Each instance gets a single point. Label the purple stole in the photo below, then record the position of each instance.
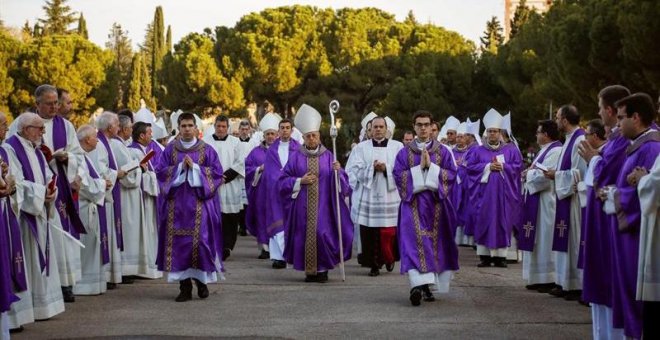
(136, 145)
(563, 212)
(64, 203)
(31, 220)
(530, 211)
(116, 193)
(15, 243)
(103, 220)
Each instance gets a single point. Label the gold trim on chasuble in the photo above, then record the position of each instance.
(311, 253)
(419, 232)
(171, 232)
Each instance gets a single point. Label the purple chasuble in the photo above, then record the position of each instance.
(11, 253)
(258, 199)
(626, 311)
(527, 236)
(44, 253)
(103, 220)
(190, 228)
(64, 203)
(492, 200)
(563, 212)
(310, 229)
(469, 184)
(116, 191)
(596, 237)
(458, 190)
(275, 211)
(426, 218)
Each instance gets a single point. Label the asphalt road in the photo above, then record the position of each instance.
(256, 301)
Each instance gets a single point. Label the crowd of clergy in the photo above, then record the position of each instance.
(83, 210)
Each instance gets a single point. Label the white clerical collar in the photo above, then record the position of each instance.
(188, 145)
(421, 145)
(27, 143)
(568, 135)
(315, 151)
(642, 134)
(546, 145)
(284, 143)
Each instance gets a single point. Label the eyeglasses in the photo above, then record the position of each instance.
(40, 128)
(53, 103)
(419, 125)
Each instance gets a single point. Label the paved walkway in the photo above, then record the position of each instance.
(259, 302)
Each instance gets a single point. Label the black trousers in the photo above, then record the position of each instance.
(372, 248)
(241, 217)
(229, 230)
(651, 328)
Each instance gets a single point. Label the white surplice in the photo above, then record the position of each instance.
(648, 270)
(102, 160)
(43, 298)
(378, 200)
(229, 153)
(148, 246)
(91, 199)
(538, 265)
(567, 274)
(131, 207)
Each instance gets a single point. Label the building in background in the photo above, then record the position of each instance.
(510, 6)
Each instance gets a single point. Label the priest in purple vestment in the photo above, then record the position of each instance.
(494, 168)
(276, 159)
(256, 186)
(425, 172)
(307, 186)
(190, 232)
(636, 114)
(596, 245)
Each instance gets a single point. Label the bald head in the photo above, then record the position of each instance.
(87, 137)
(30, 126)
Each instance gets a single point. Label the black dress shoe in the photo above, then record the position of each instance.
(485, 261)
(322, 277)
(202, 289)
(242, 231)
(558, 292)
(573, 295)
(389, 267)
(533, 286)
(416, 296)
(311, 278)
(111, 285)
(16, 330)
(428, 295)
(500, 262)
(545, 287)
(127, 280)
(67, 294)
(279, 264)
(374, 271)
(185, 291)
(264, 255)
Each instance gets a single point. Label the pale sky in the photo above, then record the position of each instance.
(467, 17)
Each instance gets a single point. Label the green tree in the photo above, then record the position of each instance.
(82, 27)
(68, 61)
(492, 38)
(168, 40)
(520, 17)
(133, 101)
(9, 51)
(114, 93)
(158, 48)
(59, 17)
